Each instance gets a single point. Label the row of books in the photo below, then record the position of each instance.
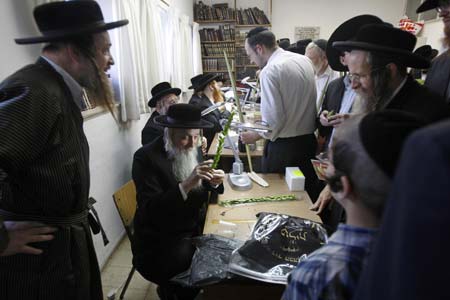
(216, 64)
(224, 33)
(241, 57)
(217, 49)
(251, 16)
(221, 12)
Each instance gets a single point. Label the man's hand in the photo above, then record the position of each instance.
(204, 145)
(22, 233)
(323, 201)
(202, 171)
(332, 120)
(218, 176)
(249, 137)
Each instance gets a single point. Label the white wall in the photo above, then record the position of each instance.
(288, 14)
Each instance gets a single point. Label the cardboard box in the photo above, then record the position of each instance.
(295, 179)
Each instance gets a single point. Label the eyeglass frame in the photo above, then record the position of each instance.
(357, 77)
(443, 4)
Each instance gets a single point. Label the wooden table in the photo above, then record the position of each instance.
(237, 222)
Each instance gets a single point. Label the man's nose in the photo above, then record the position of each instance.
(355, 84)
(111, 61)
(190, 142)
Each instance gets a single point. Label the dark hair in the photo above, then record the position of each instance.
(83, 43)
(261, 36)
(378, 61)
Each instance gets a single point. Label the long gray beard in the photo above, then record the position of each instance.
(183, 161)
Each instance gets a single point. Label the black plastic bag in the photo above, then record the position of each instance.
(278, 243)
(210, 261)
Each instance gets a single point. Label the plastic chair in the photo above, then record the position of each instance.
(125, 200)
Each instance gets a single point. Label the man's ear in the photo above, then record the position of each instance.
(343, 189)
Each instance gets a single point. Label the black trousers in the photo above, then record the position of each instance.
(293, 152)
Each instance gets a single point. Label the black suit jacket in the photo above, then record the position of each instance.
(44, 171)
(162, 217)
(411, 258)
(214, 117)
(151, 130)
(438, 76)
(332, 101)
(419, 100)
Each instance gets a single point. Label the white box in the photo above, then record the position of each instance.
(295, 179)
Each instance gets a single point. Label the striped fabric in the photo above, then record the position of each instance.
(45, 156)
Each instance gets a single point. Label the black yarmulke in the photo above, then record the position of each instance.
(383, 134)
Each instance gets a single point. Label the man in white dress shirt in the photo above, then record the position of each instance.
(288, 106)
(316, 52)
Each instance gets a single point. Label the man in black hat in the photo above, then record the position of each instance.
(206, 94)
(378, 62)
(44, 156)
(438, 76)
(163, 96)
(316, 52)
(288, 106)
(172, 185)
(360, 174)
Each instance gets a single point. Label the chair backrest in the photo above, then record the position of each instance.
(125, 200)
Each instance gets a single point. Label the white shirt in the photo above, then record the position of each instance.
(322, 82)
(288, 95)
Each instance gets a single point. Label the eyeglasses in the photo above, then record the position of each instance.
(357, 77)
(442, 5)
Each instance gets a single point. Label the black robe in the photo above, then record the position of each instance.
(438, 76)
(44, 171)
(214, 117)
(151, 130)
(163, 220)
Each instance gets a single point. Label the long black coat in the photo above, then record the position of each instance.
(44, 166)
(419, 100)
(151, 130)
(438, 76)
(214, 117)
(163, 219)
(332, 101)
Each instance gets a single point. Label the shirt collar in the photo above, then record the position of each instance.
(353, 236)
(75, 88)
(275, 54)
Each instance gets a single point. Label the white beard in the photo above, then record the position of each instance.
(183, 161)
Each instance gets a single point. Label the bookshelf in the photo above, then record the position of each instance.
(223, 26)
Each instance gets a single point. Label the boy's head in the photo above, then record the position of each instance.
(364, 156)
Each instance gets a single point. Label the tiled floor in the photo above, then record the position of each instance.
(116, 272)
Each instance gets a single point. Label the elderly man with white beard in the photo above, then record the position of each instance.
(172, 186)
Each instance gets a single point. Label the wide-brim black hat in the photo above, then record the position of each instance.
(183, 116)
(426, 51)
(388, 41)
(58, 21)
(383, 134)
(160, 90)
(344, 32)
(200, 81)
(427, 5)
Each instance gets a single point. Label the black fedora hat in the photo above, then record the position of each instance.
(427, 5)
(183, 116)
(387, 41)
(200, 81)
(160, 90)
(345, 32)
(59, 21)
(426, 51)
